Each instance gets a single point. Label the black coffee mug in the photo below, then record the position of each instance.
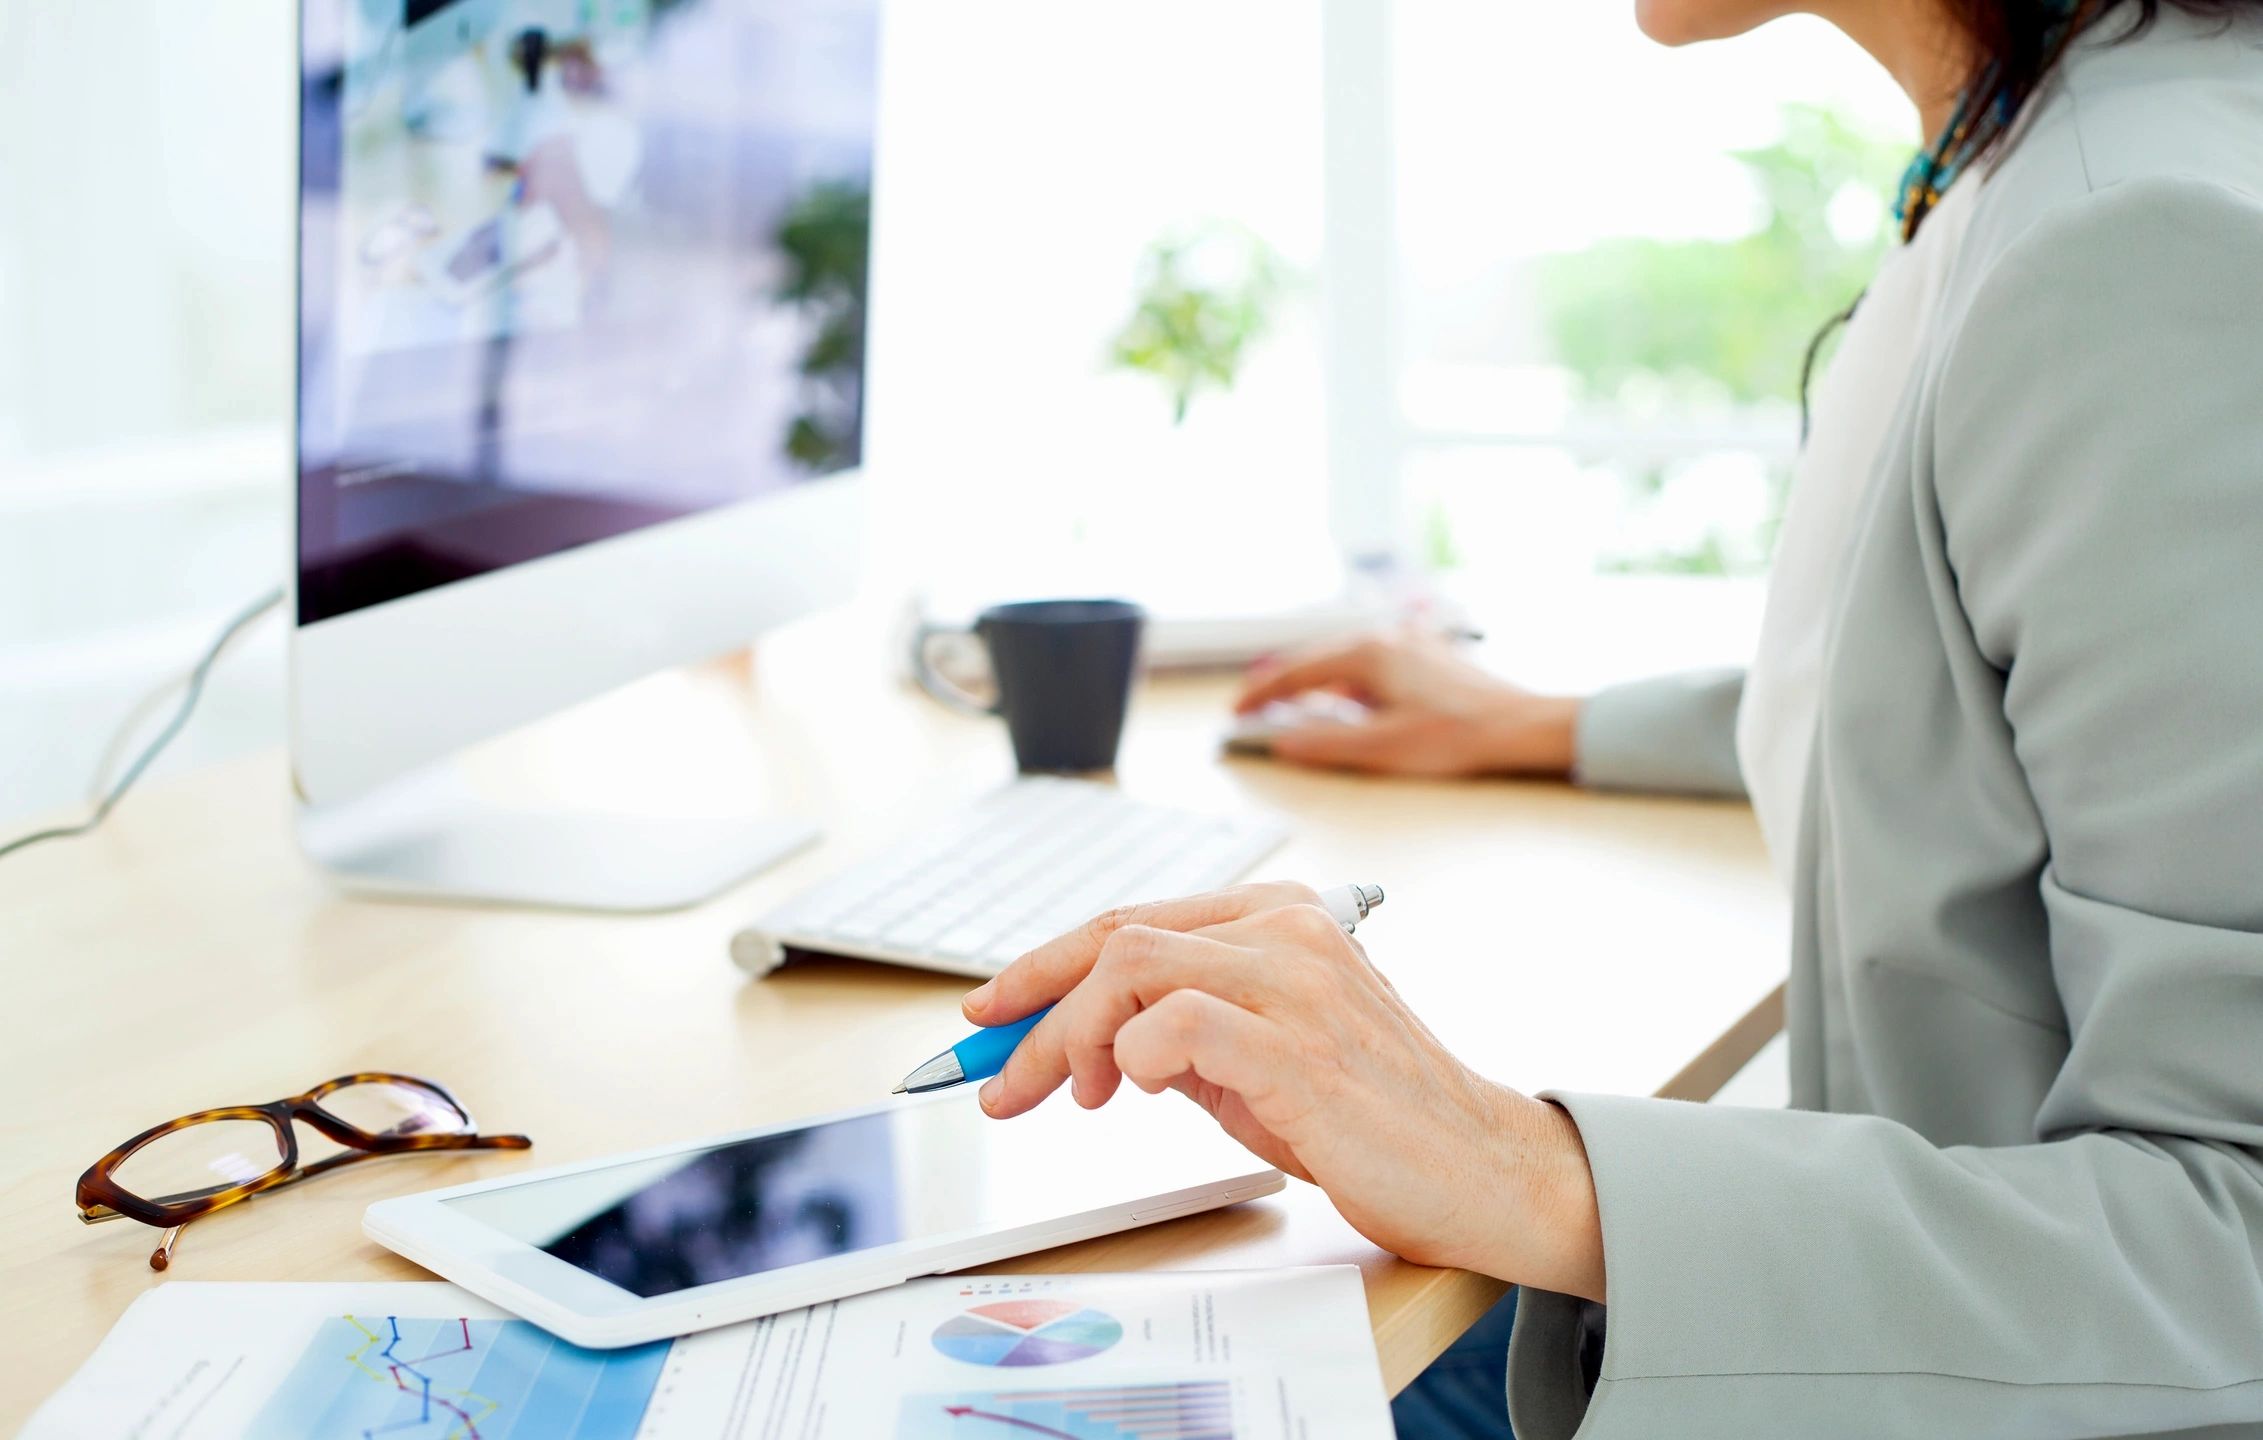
(1064, 670)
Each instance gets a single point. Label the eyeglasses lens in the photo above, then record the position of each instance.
(395, 1107)
(200, 1160)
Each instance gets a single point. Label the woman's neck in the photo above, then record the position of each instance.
(1918, 41)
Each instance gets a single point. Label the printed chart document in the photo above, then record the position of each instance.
(1227, 1355)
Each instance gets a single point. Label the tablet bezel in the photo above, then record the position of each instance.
(580, 1307)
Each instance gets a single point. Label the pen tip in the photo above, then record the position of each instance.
(899, 1088)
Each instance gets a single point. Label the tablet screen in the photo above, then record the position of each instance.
(924, 1170)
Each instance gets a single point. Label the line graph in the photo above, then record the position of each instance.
(1184, 1410)
(397, 1377)
(466, 1407)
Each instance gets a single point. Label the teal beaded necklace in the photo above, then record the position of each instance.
(1936, 167)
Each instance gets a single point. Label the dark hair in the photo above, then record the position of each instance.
(2021, 40)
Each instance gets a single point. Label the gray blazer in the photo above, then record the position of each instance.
(2022, 1190)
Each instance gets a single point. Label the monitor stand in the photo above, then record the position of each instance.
(429, 837)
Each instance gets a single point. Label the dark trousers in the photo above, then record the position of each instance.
(1464, 1394)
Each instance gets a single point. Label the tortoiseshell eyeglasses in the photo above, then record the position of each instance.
(185, 1169)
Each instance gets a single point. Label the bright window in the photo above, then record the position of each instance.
(1612, 258)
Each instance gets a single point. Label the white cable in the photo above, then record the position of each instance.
(194, 683)
(114, 753)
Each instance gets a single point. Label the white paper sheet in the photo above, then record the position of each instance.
(1230, 1355)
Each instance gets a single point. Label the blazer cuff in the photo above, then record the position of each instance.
(1569, 1369)
(1675, 733)
(1551, 1352)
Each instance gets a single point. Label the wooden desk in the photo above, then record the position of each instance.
(184, 957)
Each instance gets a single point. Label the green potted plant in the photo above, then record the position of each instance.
(1205, 294)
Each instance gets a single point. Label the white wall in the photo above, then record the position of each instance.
(145, 192)
(144, 220)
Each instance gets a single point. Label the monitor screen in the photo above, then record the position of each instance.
(569, 268)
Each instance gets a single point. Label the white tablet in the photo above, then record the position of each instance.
(667, 1241)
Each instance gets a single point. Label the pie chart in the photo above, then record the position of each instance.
(1027, 1332)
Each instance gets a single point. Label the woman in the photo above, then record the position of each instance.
(2006, 734)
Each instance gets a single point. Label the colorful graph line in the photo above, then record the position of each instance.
(401, 1371)
(451, 1378)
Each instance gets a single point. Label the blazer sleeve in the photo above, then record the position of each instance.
(2097, 460)
(1675, 733)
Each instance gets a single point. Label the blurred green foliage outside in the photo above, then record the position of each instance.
(825, 241)
(1728, 319)
(1205, 294)
(1695, 328)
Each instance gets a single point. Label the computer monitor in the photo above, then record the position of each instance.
(582, 321)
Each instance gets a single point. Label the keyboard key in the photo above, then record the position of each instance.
(1040, 857)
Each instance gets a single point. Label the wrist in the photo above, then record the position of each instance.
(1537, 1222)
(1534, 734)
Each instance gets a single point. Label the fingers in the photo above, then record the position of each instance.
(1259, 963)
(1237, 946)
(1053, 969)
(1138, 966)
(1302, 945)
(1344, 664)
(1035, 1070)
(1189, 1032)
(1383, 744)
(1234, 1118)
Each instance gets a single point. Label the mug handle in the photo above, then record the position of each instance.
(946, 693)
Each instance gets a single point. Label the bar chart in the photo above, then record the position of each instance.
(1181, 1410)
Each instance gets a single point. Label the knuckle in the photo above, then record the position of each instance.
(1094, 1035)
(1129, 950)
(1105, 924)
(1180, 1015)
(1308, 923)
(1085, 1032)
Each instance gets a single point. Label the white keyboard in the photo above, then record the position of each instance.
(1018, 867)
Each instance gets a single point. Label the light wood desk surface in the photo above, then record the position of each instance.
(184, 957)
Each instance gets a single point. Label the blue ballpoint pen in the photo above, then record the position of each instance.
(984, 1053)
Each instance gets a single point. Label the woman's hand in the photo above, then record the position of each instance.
(1257, 1005)
(1433, 712)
